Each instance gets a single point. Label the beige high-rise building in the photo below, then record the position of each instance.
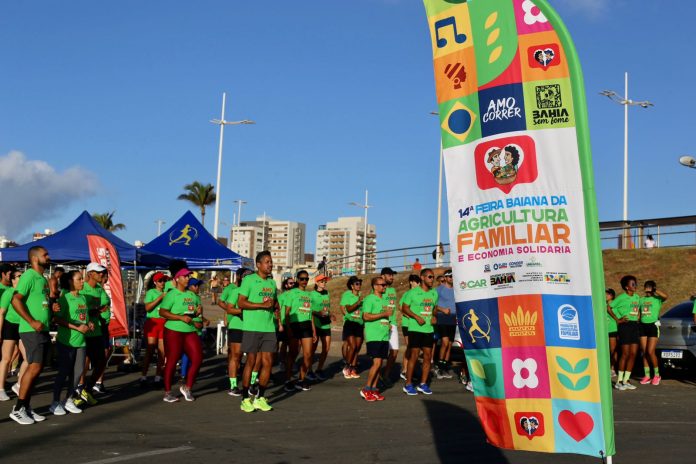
(342, 243)
(284, 239)
(247, 240)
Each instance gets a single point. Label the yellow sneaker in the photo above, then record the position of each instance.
(87, 396)
(261, 404)
(247, 405)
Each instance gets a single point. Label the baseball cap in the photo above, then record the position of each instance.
(182, 272)
(387, 270)
(95, 267)
(158, 276)
(448, 272)
(352, 280)
(194, 281)
(321, 277)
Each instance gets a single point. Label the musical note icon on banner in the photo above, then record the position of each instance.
(441, 41)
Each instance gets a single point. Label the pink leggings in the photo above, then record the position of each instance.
(176, 343)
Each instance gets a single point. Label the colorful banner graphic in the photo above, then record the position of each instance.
(523, 224)
(103, 252)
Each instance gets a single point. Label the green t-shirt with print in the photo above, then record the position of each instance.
(282, 299)
(199, 319)
(300, 303)
(227, 291)
(390, 295)
(73, 309)
(321, 306)
(231, 298)
(376, 331)
(6, 305)
(349, 299)
(405, 320)
(106, 315)
(628, 306)
(422, 303)
(151, 296)
(96, 299)
(179, 303)
(258, 290)
(650, 309)
(34, 288)
(611, 323)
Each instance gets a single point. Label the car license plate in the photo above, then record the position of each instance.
(672, 354)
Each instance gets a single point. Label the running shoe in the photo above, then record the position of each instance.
(645, 380)
(234, 391)
(15, 388)
(3, 396)
(311, 376)
(377, 395)
(354, 373)
(20, 416)
(35, 415)
(303, 386)
(170, 398)
(470, 386)
(656, 380)
(403, 375)
(346, 372)
(410, 390)
(78, 401)
(261, 404)
(425, 389)
(368, 395)
(619, 386)
(247, 405)
(628, 386)
(69, 406)
(87, 396)
(447, 373)
(57, 409)
(186, 391)
(438, 373)
(289, 386)
(99, 388)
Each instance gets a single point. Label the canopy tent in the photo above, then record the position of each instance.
(187, 239)
(70, 245)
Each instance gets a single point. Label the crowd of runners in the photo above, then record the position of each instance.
(266, 327)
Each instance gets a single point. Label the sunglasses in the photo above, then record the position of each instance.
(380, 285)
(303, 279)
(429, 276)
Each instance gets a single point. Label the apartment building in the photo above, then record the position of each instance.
(343, 242)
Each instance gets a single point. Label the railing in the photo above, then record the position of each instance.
(664, 232)
(399, 259)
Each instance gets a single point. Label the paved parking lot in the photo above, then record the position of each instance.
(331, 423)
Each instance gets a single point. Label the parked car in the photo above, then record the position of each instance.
(676, 347)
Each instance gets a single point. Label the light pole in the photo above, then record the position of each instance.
(222, 123)
(626, 102)
(239, 210)
(688, 161)
(159, 223)
(438, 257)
(366, 206)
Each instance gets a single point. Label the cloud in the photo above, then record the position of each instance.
(33, 191)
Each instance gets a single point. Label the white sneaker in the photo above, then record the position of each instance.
(186, 392)
(469, 386)
(628, 386)
(3, 396)
(20, 416)
(70, 406)
(619, 386)
(36, 416)
(57, 409)
(15, 388)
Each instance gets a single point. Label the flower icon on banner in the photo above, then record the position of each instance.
(525, 373)
(532, 13)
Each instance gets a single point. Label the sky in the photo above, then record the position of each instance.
(105, 106)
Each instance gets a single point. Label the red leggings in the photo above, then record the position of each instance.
(176, 343)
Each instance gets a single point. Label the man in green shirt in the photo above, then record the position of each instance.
(421, 306)
(31, 304)
(257, 300)
(376, 312)
(390, 294)
(228, 302)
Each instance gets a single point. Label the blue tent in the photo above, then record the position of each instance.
(70, 245)
(187, 239)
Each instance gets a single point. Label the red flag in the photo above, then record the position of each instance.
(103, 252)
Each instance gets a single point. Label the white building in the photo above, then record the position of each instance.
(284, 239)
(247, 240)
(342, 243)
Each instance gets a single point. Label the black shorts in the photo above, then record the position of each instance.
(404, 328)
(95, 349)
(377, 350)
(446, 331)
(629, 333)
(37, 346)
(614, 334)
(648, 329)
(234, 335)
(323, 332)
(10, 331)
(301, 329)
(420, 340)
(352, 329)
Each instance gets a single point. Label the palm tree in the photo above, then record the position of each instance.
(106, 220)
(200, 195)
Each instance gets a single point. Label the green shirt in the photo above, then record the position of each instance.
(390, 295)
(6, 304)
(34, 288)
(179, 303)
(650, 309)
(73, 309)
(628, 306)
(376, 331)
(611, 323)
(321, 306)
(282, 300)
(422, 303)
(96, 299)
(231, 298)
(348, 299)
(151, 296)
(199, 319)
(404, 318)
(300, 304)
(258, 290)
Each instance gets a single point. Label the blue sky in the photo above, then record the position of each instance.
(114, 99)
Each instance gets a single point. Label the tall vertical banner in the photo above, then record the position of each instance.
(103, 252)
(523, 221)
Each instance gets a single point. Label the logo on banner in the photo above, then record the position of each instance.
(521, 323)
(577, 425)
(478, 328)
(529, 424)
(472, 284)
(185, 236)
(557, 278)
(502, 109)
(525, 373)
(505, 162)
(544, 56)
(503, 279)
(457, 74)
(459, 121)
(568, 323)
(548, 96)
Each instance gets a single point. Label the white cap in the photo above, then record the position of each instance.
(96, 267)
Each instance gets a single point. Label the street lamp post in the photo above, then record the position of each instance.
(159, 226)
(438, 257)
(366, 206)
(626, 102)
(239, 210)
(222, 123)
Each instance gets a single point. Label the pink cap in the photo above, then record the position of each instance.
(182, 272)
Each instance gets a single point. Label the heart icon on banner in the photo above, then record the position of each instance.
(577, 425)
(544, 56)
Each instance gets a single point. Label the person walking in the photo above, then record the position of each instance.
(625, 310)
(351, 307)
(650, 306)
(321, 310)
(376, 311)
(228, 302)
(413, 282)
(302, 334)
(387, 275)
(10, 337)
(446, 326)
(154, 328)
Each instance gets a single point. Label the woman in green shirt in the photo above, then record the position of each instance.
(612, 332)
(302, 333)
(10, 337)
(625, 310)
(351, 307)
(650, 306)
(321, 310)
(73, 323)
(154, 327)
